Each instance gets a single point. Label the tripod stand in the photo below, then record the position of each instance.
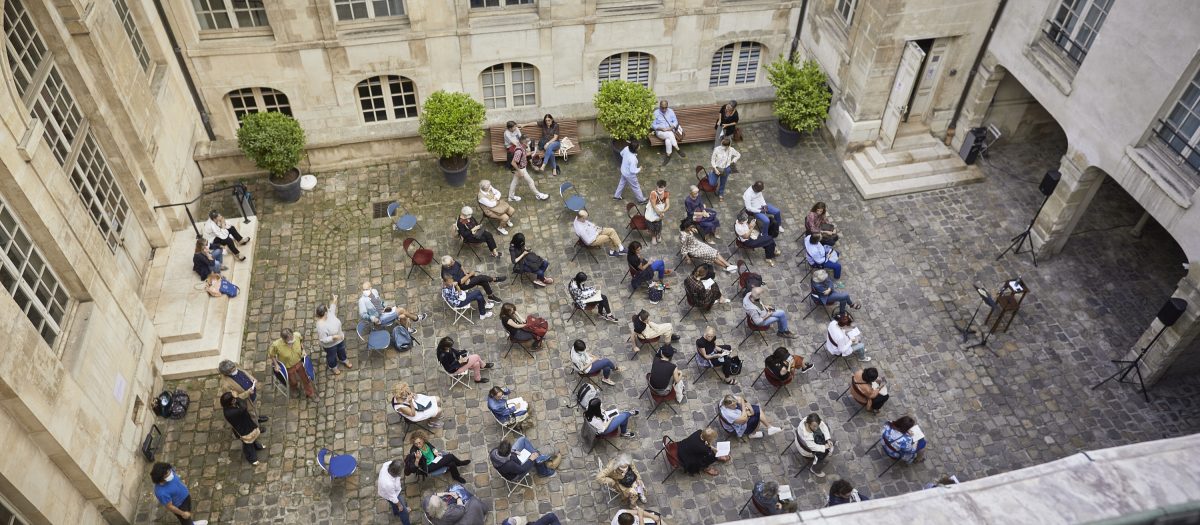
(985, 298)
(1133, 364)
(1024, 236)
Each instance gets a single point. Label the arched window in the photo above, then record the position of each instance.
(633, 66)
(737, 62)
(390, 97)
(253, 100)
(509, 85)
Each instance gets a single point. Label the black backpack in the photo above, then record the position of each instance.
(161, 402)
(179, 405)
(585, 394)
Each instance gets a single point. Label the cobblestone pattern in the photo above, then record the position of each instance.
(911, 260)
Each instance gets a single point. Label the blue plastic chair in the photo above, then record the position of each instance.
(377, 340)
(406, 222)
(572, 202)
(337, 466)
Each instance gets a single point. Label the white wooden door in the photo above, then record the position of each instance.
(928, 82)
(897, 105)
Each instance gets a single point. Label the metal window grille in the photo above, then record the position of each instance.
(243, 103)
(57, 110)
(722, 64)
(747, 66)
(524, 85)
(252, 100)
(370, 97)
(403, 96)
(1180, 130)
(135, 36)
(274, 101)
(499, 3)
(32, 284)
(379, 94)
(845, 10)
(1075, 25)
(230, 14)
(494, 89)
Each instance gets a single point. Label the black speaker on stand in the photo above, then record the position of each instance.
(1047, 186)
(1168, 315)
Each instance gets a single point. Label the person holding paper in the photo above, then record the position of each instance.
(623, 478)
(716, 356)
(586, 363)
(903, 440)
(455, 506)
(513, 460)
(770, 499)
(700, 450)
(702, 289)
(869, 389)
(814, 441)
(738, 417)
(512, 411)
(756, 205)
(637, 516)
(428, 460)
(750, 235)
(607, 421)
(841, 492)
(821, 255)
(455, 361)
(842, 338)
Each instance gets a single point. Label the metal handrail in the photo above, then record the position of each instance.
(1188, 150)
(240, 194)
(1061, 38)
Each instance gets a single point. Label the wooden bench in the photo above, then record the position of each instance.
(566, 128)
(697, 123)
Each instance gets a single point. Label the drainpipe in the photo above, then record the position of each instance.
(799, 27)
(187, 75)
(987, 39)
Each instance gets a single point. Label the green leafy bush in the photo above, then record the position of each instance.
(273, 141)
(451, 124)
(801, 94)
(624, 109)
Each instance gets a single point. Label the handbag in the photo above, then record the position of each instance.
(252, 436)
(537, 326)
(229, 288)
(733, 366)
(655, 293)
(564, 144)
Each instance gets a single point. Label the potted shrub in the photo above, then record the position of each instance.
(275, 143)
(801, 98)
(452, 127)
(624, 109)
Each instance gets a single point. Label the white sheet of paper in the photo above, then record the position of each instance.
(707, 283)
(523, 455)
(854, 332)
(917, 434)
(518, 403)
(882, 391)
(722, 448)
(785, 492)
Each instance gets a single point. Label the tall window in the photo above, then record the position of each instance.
(845, 10)
(366, 9)
(737, 62)
(230, 14)
(386, 98)
(253, 100)
(633, 66)
(98, 190)
(32, 284)
(56, 108)
(1181, 129)
(24, 47)
(499, 3)
(131, 31)
(509, 85)
(1074, 26)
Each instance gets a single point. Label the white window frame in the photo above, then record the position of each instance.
(844, 9)
(134, 35)
(385, 92)
(634, 66)
(63, 122)
(1184, 110)
(33, 285)
(257, 99)
(736, 64)
(1074, 24)
(500, 4)
(97, 187)
(369, 9)
(25, 50)
(508, 96)
(208, 12)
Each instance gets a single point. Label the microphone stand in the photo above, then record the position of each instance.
(1024, 236)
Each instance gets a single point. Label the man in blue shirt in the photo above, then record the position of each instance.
(172, 494)
(667, 128)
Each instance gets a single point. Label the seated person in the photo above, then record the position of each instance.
(427, 459)
(818, 221)
(643, 329)
(704, 217)
(707, 349)
(623, 478)
(657, 207)
(668, 129)
(696, 250)
(584, 295)
(513, 411)
(698, 452)
(592, 235)
(416, 407)
(815, 441)
(457, 297)
(763, 315)
(548, 519)
(372, 307)
(742, 419)
(723, 161)
(455, 361)
(844, 339)
(782, 363)
(641, 269)
(749, 234)
(637, 516)
(506, 459)
(702, 289)
(767, 500)
(757, 206)
(869, 389)
(471, 232)
(517, 326)
(586, 363)
(903, 440)
(456, 506)
(525, 261)
(665, 376)
(206, 261)
(608, 421)
(495, 207)
(824, 287)
(467, 280)
(820, 255)
(841, 491)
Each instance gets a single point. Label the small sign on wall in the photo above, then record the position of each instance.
(119, 388)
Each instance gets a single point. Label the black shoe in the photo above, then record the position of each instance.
(484, 380)
(244, 241)
(489, 365)
(464, 462)
(618, 199)
(258, 446)
(674, 337)
(460, 479)
(495, 299)
(263, 419)
(682, 155)
(666, 160)
(500, 279)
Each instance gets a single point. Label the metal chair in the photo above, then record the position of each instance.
(706, 189)
(573, 202)
(704, 364)
(605, 438)
(637, 221)
(658, 400)
(757, 508)
(612, 493)
(403, 223)
(861, 406)
(739, 246)
(458, 378)
(774, 381)
(671, 447)
(587, 315)
(816, 300)
(581, 247)
(376, 340)
(692, 306)
(419, 258)
(460, 312)
(337, 465)
(752, 329)
(809, 459)
(883, 447)
(463, 243)
(523, 482)
(510, 427)
(408, 424)
(514, 342)
(995, 134)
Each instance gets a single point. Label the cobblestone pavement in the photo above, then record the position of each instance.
(912, 261)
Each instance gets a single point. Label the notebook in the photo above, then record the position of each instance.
(917, 434)
(722, 448)
(523, 455)
(785, 492)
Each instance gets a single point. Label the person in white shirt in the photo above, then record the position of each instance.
(519, 163)
(593, 235)
(667, 128)
(844, 339)
(495, 207)
(331, 337)
(371, 306)
(586, 363)
(629, 173)
(814, 441)
(723, 159)
(390, 486)
(765, 315)
(637, 516)
(219, 233)
(757, 206)
(750, 235)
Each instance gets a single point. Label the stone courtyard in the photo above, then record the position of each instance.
(911, 260)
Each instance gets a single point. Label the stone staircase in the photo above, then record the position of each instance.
(916, 162)
(197, 331)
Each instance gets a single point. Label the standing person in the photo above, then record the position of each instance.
(751, 236)
(243, 425)
(593, 235)
(494, 206)
(288, 351)
(757, 206)
(219, 233)
(390, 486)
(723, 159)
(667, 128)
(243, 385)
(171, 493)
(584, 294)
(549, 143)
(512, 140)
(765, 315)
(470, 231)
(520, 160)
(331, 337)
(660, 202)
(629, 173)
(727, 120)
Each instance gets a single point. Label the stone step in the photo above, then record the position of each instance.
(912, 178)
(903, 171)
(916, 141)
(882, 159)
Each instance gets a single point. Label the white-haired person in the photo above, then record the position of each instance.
(468, 280)
(455, 506)
(622, 477)
(471, 232)
(593, 235)
(495, 207)
(763, 315)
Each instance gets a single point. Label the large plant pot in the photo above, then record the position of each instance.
(287, 188)
(454, 170)
(788, 138)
